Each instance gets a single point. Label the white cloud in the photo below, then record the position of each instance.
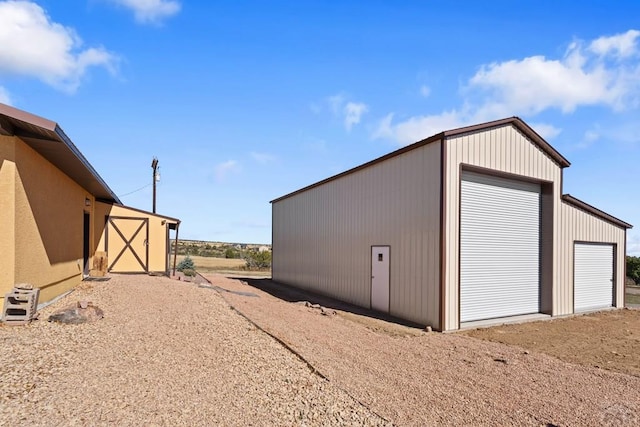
(621, 45)
(32, 45)
(4, 96)
(151, 11)
(546, 130)
(591, 136)
(420, 127)
(349, 111)
(425, 90)
(353, 111)
(528, 86)
(224, 169)
(263, 158)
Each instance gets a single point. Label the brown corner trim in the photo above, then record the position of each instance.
(443, 257)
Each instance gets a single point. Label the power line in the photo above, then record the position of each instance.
(135, 191)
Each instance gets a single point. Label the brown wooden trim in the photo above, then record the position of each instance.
(127, 242)
(569, 199)
(443, 257)
(168, 218)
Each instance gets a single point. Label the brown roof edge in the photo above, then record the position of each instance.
(515, 121)
(524, 128)
(23, 116)
(568, 198)
(168, 218)
(402, 150)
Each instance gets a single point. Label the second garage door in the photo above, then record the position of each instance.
(499, 247)
(593, 276)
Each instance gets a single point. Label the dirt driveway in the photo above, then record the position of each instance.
(608, 340)
(415, 378)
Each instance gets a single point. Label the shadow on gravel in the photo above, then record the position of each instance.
(291, 294)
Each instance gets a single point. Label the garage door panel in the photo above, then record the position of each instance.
(499, 247)
(593, 276)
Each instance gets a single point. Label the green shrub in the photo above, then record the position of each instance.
(189, 272)
(258, 260)
(231, 253)
(186, 264)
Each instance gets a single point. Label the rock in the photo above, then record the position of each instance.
(75, 315)
(428, 329)
(83, 304)
(501, 360)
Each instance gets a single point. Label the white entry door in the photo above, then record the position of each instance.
(380, 278)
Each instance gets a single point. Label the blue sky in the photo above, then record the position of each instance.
(245, 101)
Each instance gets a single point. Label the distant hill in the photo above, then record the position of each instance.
(216, 249)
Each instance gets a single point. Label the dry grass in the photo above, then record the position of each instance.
(205, 264)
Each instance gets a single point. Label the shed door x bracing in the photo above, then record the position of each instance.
(593, 276)
(127, 244)
(499, 247)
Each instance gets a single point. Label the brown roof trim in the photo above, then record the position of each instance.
(45, 136)
(523, 127)
(569, 199)
(402, 150)
(26, 117)
(168, 218)
(515, 121)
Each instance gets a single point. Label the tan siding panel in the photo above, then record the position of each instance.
(503, 149)
(582, 226)
(322, 237)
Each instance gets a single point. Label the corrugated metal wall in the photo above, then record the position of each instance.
(503, 149)
(578, 225)
(322, 237)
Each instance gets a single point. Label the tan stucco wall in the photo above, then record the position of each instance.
(157, 244)
(7, 213)
(48, 226)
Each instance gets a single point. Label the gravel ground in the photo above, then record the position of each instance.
(166, 353)
(439, 379)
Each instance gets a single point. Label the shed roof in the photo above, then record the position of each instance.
(568, 198)
(517, 122)
(50, 141)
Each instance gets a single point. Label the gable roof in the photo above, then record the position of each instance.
(517, 122)
(50, 141)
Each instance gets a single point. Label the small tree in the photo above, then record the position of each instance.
(258, 260)
(186, 264)
(633, 268)
(230, 253)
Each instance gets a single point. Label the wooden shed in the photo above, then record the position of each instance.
(56, 212)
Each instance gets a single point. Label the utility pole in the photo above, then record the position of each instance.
(156, 178)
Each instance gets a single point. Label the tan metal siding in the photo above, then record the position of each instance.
(503, 149)
(322, 237)
(579, 225)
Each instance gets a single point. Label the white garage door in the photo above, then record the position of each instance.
(499, 247)
(593, 277)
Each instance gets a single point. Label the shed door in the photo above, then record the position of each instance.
(499, 247)
(127, 244)
(593, 276)
(380, 278)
